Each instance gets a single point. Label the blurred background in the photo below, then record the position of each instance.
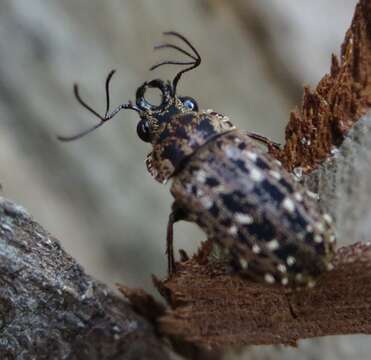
(95, 194)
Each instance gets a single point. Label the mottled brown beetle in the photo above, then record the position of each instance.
(236, 192)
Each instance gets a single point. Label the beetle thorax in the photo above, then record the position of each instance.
(180, 137)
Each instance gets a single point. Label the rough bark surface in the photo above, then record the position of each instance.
(50, 309)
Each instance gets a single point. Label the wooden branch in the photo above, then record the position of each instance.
(50, 309)
(213, 309)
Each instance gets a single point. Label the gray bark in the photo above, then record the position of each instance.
(344, 184)
(51, 309)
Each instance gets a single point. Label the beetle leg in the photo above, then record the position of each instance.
(169, 244)
(263, 139)
(176, 215)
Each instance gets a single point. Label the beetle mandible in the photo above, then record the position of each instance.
(236, 192)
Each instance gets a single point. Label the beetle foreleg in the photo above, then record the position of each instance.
(176, 215)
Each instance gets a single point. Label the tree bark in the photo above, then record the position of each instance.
(51, 309)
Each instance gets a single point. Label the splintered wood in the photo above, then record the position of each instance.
(339, 100)
(216, 310)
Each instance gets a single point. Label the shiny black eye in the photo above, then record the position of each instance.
(143, 130)
(189, 103)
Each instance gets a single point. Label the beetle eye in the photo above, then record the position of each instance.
(143, 130)
(189, 103)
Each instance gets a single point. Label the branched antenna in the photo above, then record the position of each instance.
(107, 116)
(195, 56)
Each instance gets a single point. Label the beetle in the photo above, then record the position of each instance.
(243, 199)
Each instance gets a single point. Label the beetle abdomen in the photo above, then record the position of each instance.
(247, 203)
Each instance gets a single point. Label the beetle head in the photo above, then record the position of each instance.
(174, 127)
(152, 116)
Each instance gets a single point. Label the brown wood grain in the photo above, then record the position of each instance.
(215, 309)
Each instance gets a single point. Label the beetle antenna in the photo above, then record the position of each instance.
(195, 56)
(107, 116)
